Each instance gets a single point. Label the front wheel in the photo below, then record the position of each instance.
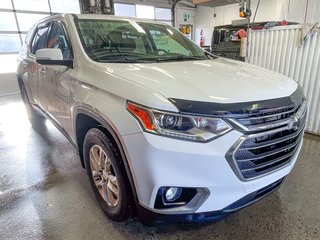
(107, 175)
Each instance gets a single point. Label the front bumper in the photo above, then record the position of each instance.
(157, 161)
(148, 216)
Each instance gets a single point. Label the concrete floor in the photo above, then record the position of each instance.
(8, 81)
(45, 194)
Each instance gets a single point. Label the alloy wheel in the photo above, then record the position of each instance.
(104, 176)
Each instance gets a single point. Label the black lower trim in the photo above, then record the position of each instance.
(146, 216)
(57, 125)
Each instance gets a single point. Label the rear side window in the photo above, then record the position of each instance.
(39, 38)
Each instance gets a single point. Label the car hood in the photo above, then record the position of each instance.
(219, 80)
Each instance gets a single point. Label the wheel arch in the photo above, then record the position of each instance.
(85, 119)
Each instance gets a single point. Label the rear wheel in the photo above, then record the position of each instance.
(34, 117)
(107, 175)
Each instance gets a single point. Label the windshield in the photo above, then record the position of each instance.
(130, 41)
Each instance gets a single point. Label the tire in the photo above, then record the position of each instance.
(108, 179)
(35, 118)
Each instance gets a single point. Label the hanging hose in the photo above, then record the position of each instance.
(306, 11)
(255, 13)
(173, 14)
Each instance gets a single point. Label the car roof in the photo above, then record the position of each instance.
(98, 17)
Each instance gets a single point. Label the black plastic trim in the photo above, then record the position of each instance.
(57, 125)
(187, 194)
(67, 63)
(75, 17)
(232, 109)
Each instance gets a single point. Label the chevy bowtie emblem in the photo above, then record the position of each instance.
(293, 123)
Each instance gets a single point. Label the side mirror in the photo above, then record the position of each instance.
(52, 56)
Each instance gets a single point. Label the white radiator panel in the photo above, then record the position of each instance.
(279, 49)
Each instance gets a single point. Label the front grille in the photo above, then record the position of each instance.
(260, 154)
(266, 117)
(270, 143)
(257, 119)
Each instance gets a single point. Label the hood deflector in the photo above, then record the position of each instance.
(241, 109)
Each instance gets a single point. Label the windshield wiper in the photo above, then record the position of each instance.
(180, 58)
(126, 60)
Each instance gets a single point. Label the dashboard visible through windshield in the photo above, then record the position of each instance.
(131, 41)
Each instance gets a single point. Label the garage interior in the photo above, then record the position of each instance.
(44, 192)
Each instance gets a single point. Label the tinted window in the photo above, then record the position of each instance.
(39, 38)
(58, 39)
(121, 40)
(167, 44)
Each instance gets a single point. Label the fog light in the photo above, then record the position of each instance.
(172, 193)
(171, 197)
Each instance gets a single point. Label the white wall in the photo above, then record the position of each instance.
(204, 20)
(180, 11)
(157, 3)
(269, 10)
(299, 10)
(204, 16)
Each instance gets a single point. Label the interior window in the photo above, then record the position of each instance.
(57, 39)
(127, 40)
(166, 44)
(39, 38)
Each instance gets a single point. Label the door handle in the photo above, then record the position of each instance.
(42, 70)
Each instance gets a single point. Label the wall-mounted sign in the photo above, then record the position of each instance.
(186, 16)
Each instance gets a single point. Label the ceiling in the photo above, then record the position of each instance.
(214, 3)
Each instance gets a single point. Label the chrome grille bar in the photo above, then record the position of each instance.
(269, 163)
(261, 156)
(270, 115)
(271, 142)
(269, 146)
(299, 112)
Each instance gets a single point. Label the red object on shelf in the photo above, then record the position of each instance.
(283, 23)
(257, 28)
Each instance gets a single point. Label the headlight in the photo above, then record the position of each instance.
(192, 128)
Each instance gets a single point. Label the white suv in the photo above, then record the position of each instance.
(165, 130)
